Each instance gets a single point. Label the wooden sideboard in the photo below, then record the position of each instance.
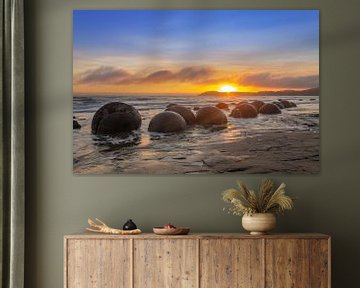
(197, 260)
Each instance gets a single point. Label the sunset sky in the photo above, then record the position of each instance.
(189, 51)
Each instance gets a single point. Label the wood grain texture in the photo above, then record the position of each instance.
(197, 260)
(319, 263)
(164, 263)
(98, 263)
(231, 263)
(287, 263)
(88, 235)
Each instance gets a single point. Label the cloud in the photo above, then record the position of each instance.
(275, 81)
(109, 75)
(158, 77)
(116, 76)
(191, 74)
(194, 74)
(104, 75)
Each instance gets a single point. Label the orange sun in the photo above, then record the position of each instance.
(227, 88)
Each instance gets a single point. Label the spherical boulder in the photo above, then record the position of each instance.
(287, 104)
(167, 121)
(170, 105)
(222, 105)
(241, 103)
(114, 118)
(244, 111)
(279, 104)
(210, 116)
(270, 108)
(185, 112)
(293, 104)
(257, 104)
(76, 124)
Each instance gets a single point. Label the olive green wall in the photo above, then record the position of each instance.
(59, 202)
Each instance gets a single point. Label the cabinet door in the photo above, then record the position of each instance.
(231, 263)
(165, 263)
(320, 263)
(98, 263)
(287, 263)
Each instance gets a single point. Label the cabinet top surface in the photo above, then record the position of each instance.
(86, 235)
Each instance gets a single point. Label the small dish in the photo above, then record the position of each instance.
(171, 231)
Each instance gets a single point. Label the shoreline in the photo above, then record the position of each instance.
(275, 152)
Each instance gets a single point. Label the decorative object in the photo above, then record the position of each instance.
(101, 227)
(172, 106)
(258, 223)
(197, 260)
(258, 209)
(168, 226)
(171, 231)
(129, 225)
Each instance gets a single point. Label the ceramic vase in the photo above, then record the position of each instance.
(259, 223)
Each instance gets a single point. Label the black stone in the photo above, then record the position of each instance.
(76, 124)
(129, 225)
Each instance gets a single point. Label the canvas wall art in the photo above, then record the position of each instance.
(196, 91)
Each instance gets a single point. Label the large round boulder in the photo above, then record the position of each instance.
(279, 104)
(244, 111)
(241, 103)
(270, 108)
(222, 105)
(114, 118)
(185, 112)
(287, 104)
(257, 104)
(167, 121)
(210, 116)
(170, 105)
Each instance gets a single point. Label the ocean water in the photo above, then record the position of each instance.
(150, 153)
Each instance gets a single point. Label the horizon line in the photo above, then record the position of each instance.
(106, 94)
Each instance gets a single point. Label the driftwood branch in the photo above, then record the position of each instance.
(100, 227)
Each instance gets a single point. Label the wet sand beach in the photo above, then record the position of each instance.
(285, 143)
(272, 152)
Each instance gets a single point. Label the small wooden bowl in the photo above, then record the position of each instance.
(171, 231)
